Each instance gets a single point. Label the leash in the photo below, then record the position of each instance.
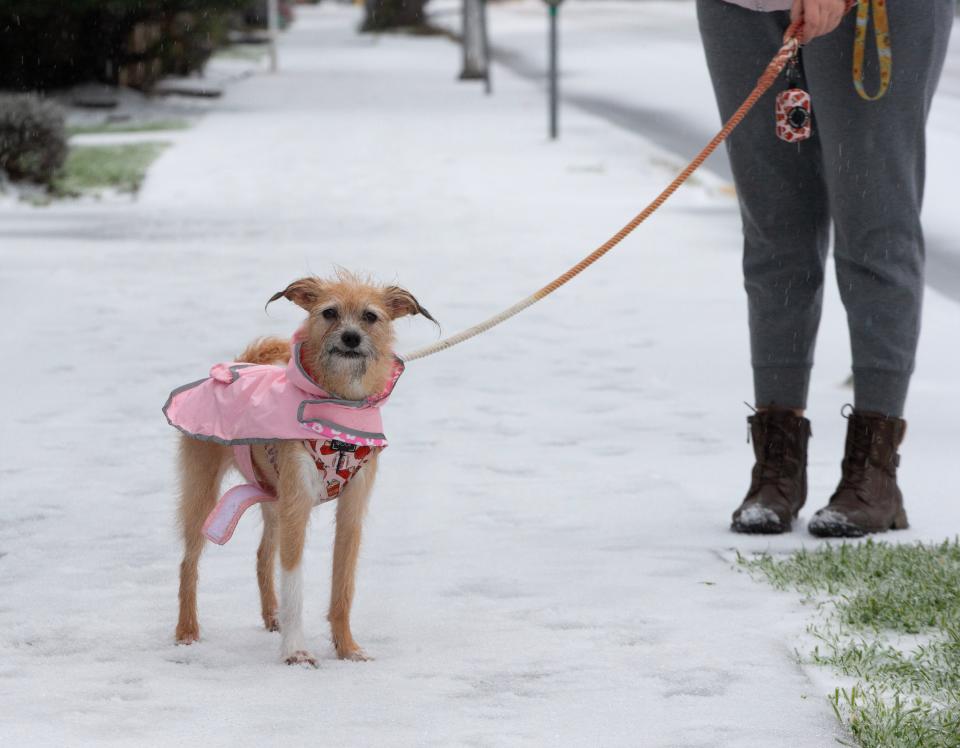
(790, 46)
(881, 33)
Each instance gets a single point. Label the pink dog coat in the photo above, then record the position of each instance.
(244, 404)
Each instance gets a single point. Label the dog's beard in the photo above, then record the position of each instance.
(348, 363)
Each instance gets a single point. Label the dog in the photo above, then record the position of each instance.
(346, 347)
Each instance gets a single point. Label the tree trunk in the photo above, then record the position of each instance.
(382, 15)
(475, 62)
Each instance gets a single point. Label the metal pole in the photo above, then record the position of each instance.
(487, 85)
(273, 24)
(553, 71)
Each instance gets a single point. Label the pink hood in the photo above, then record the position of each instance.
(253, 403)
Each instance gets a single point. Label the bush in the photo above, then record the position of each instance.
(51, 43)
(383, 15)
(33, 139)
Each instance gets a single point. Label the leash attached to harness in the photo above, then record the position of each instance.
(790, 46)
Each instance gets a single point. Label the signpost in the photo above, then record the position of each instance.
(487, 85)
(553, 8)
(273, 25)
(476, 46)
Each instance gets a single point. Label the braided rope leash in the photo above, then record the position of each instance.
(774, 68)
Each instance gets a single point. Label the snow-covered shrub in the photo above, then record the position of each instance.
(33, 140)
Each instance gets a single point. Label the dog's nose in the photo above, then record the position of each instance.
(350, 339)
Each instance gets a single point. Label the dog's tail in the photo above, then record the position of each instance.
(269, 350)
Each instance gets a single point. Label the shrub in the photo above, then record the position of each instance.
(383, 15)
(33, 139)
(51, 43)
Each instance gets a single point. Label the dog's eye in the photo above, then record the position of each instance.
(370, 317)
(330, 313)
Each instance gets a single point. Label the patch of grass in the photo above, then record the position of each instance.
(894, 722)
(905, 588)
(875, 592)
(114, 127)
(251, 52)
(94, 167)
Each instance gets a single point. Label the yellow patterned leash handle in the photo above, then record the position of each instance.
(881, 31)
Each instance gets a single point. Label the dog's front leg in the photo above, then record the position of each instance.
(296, 489)
(351, 508)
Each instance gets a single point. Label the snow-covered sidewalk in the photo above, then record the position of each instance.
(547, 558)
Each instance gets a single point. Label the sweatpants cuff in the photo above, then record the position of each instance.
(783, 386)
(880, 391)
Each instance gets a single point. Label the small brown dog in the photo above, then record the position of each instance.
(347, 350)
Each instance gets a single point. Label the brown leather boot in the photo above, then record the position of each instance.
(868, 498)
(778, 486)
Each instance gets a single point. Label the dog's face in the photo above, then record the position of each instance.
(349, 332)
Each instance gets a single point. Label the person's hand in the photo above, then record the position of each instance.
(819, 17)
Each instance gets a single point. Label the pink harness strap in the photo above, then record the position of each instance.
(337, 463)
(243, 456)
(222, 521)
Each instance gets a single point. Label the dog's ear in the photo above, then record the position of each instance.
(305, 293)
(401, 302)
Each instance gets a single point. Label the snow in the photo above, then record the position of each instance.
(828, 519)
(755, 514)
(547, 558)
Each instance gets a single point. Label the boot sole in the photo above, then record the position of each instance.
(758, 529)
(838, 530)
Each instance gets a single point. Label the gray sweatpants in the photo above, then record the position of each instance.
(863, 168)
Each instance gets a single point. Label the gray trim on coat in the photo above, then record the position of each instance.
(332, 424)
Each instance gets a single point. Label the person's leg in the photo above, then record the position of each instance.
(785, 229)
(873, 154)
(783, 204)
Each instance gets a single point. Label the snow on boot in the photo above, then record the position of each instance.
(778, 486)
(868, 498)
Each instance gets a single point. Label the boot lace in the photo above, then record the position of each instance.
(856, 460)
(773, 463)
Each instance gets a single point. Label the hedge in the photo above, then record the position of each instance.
(55, 43)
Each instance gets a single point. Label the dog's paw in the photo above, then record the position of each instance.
(187, 636)
(271, 623)
(354, 655)
(302, 657)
